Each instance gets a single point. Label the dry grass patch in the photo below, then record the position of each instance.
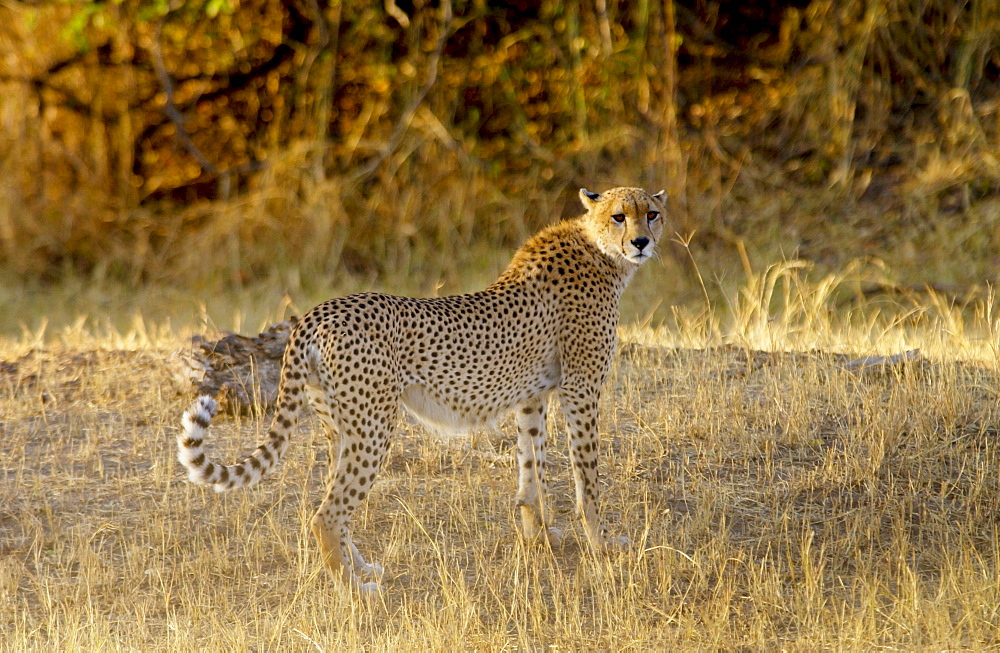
(775, 500)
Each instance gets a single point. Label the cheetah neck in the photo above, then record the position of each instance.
(564, 250)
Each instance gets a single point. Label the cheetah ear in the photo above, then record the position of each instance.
(662, 195)
(589, 199)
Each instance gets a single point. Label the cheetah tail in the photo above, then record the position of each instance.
(191, 450)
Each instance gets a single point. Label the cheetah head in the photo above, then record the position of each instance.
(625, 223)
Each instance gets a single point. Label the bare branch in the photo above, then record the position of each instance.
(170, 108)
(177, 118)
(406, 118)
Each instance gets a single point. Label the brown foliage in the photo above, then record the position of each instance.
(142, 141)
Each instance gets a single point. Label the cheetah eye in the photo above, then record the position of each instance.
(652, 215)
(618, 217)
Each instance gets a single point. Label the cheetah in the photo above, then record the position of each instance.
(547, 325)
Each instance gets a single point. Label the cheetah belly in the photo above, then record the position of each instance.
(434, 413)
(445, 408)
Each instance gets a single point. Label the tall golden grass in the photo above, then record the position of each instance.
(776, 498)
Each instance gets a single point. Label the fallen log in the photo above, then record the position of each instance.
(241, 372)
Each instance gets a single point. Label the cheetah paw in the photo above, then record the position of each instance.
(617, 542)
(369, 589)
(372, 569)
(554, 536)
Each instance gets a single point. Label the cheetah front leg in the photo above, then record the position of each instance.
(531, 490)
(580, 411)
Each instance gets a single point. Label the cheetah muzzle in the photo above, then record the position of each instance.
(547, 325)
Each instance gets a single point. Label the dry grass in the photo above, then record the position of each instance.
(775, 500)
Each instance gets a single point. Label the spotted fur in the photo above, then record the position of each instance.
(547, 325)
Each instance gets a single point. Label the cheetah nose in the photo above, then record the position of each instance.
(640, 243)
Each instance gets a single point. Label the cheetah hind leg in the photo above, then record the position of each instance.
(331, 526)
(342, 559)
